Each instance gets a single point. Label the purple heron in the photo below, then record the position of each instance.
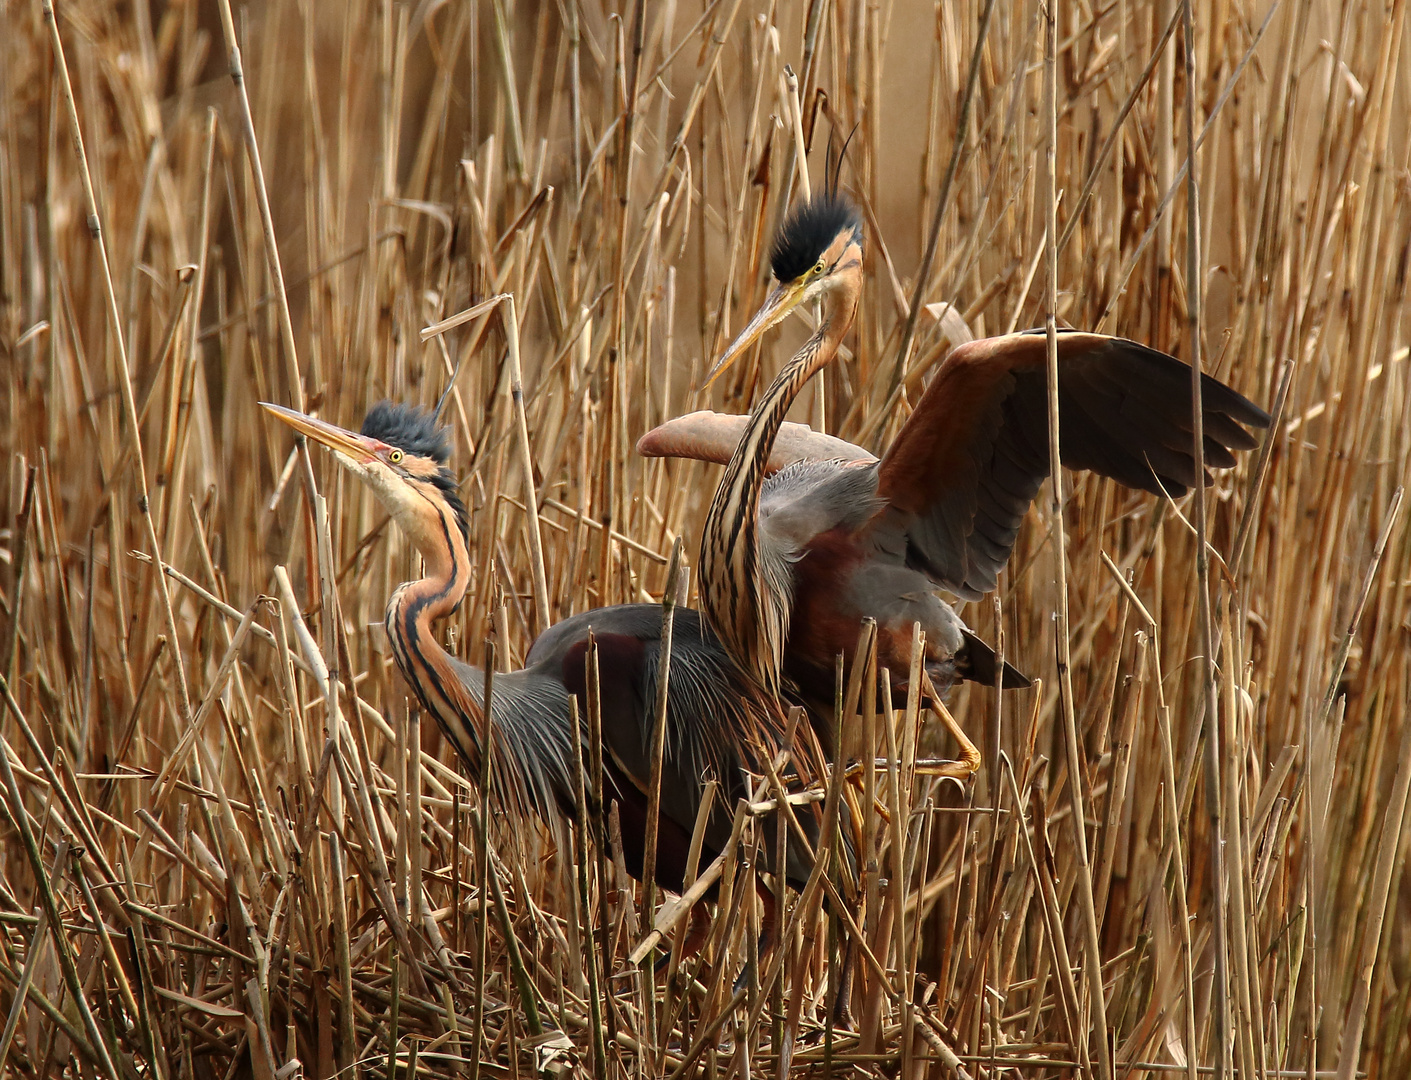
(798, 547)
(717, 722)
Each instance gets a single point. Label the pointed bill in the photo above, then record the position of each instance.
(781, 300)
(357, 449)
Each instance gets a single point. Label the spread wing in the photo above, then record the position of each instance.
(961, 474)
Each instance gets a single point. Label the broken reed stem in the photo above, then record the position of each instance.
(253, 817)
(1092, 970)
(1353, 620)
(797, 152)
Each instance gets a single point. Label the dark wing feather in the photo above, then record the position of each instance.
(629, 646)
(962, 473)
(715, 728)
(533, 748)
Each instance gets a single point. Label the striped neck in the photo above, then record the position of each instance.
(425, 665)
(749, 613)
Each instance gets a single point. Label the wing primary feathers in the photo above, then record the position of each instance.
(968, 463)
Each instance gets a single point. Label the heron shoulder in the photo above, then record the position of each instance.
(809, 498)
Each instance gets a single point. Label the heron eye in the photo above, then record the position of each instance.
(395, 457)
(820, 266)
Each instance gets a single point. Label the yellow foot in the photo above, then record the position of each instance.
(969, 763)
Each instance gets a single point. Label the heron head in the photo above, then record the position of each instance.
(401, 454)
(818, 253)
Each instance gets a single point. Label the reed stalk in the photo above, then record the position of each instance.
(230, 841)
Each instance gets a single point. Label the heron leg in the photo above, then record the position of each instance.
(969, 763)
(853, 775)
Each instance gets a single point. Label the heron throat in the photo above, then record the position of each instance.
(748, 611)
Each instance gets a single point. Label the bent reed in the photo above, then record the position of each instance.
(233, 847)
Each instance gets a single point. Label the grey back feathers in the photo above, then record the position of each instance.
(702, 681)
(808, 498)
(532, 756)
(707, 718)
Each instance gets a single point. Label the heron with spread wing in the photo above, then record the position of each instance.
(797, 548)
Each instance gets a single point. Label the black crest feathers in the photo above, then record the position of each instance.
(408, 428)
(807, 232)
(415, 432)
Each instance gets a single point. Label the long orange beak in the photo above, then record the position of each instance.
(781, 300)
(357, 449)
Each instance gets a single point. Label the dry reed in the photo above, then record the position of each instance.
(231, 848)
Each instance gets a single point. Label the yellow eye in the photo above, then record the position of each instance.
(395, 457)
(820, 266)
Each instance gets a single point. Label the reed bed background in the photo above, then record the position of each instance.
(259, 859)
